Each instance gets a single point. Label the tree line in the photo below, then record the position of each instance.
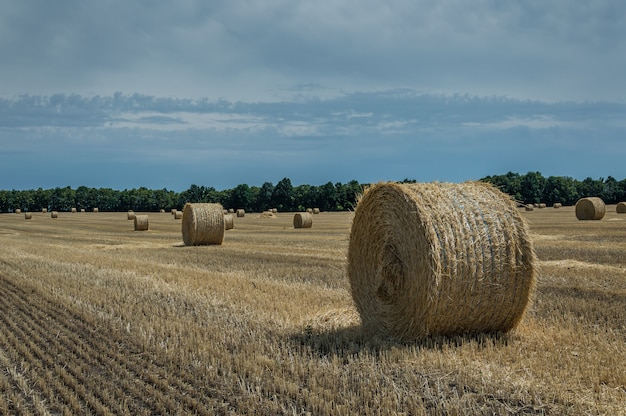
(528, 188)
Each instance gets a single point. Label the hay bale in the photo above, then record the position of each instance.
(82, 210)
(241, 213)
(557, 205)
(439, 259)
(162, 211)
(18, 211)
(316, 210)
(44, 210)
(178, 215)
(529, 207)
(141, 222)
(203, 224)
(73, 210)
(95, 210)
(309, 210)
(303, 220)
(274, 210)
(173, 211)
(130, 215)
(231, 211)
(229, 222)
(28, 215)
(54, 214)
(591, 208)
(267, 214)
(621, 208)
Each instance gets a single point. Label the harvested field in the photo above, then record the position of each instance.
(135, 323)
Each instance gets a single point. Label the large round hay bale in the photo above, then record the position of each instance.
(591, 208)
(28, 215)
(203, 224)
(54, 214)
(439, 259)
(621, 208)
(130, 215)
(141, 222)
(229, 222)
(303, 220)
(241, 213)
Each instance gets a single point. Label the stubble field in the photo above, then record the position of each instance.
(96, 318)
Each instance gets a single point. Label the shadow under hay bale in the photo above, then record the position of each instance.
(592, 208)
(303, 220)
(141, 222)
(203, 224)
(439, 259)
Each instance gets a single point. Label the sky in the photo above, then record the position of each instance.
(128, 94)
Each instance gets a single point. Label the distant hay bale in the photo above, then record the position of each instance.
(591, 208)
(18, 211)
(241, 213)
(173, 211)
(621, 208)
(529, 207)
(309, 210)
(54, 214)
(316, 210)
(28, 215)
(267, 214)
(557, 205)
(130, 215)
(541, 205)
(95, 210)
(73, 210)
(141, 222)
(229, 222)
(225, 211)
(44, 210)
(82, 210)
(162, 211)
(274, 210)
(439, 259)
(178, 215)
(203, 224)
(231, 210)
(303, 220)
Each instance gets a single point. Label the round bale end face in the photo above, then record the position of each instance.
(439, 259)
(303, 220)
(591, 208)
(141, 222)
(621, 208)
(203, 224)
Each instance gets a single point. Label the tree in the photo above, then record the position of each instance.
(241, 197)
(263, 198)
(532, 185)
(282, 196)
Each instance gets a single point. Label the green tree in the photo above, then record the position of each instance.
(241, 197)
(282, 196)
(263, 198)
(532, 185)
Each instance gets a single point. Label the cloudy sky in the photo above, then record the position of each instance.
(124, 94)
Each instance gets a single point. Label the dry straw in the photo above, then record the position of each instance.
(178, 215)
(95, 210)
(82, 210)
(141, 222)
(44, 210)
(621, 208)
(316, 210)
(203, 224)
(557, 205)
(529, 207)
(591, 208)
(54, 214)
(130, 215)
(229, 222)
(18, 211)
(303, 220)
(73, 210)
(28, 215)
(173, 211)
(439, 259)
(241, 213)
(309, 210)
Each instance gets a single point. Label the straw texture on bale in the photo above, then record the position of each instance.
(54, 214)
(130, 215)
(621, 208)
(203, 224)
(28, 215)
(591, 208)
(241, 213)
(178, 215)
(439, 259)
(303, 220)
(229, 222)
(141, 222)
